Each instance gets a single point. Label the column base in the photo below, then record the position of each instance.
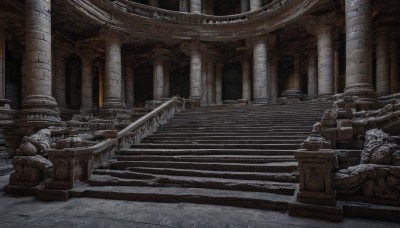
(363, 94)
(260, 101)
(292, 93)
(112, 107)
(40, 110)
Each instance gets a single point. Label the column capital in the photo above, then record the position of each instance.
(86, 51)
(159, 55)
(188, 47)
(314, 24)
(383, 31)
(269, 38)
(109, 35)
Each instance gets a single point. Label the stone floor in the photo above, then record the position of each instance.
(87, 212)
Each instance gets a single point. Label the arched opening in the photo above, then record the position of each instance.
(13, 78)
(73, 79)
(285, 71)
(232, 81)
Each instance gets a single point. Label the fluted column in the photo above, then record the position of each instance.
(112, 80)
(210, 83)
(87, 57)
(39, 105)
(167, 73)
(312, 76)
(359, 49)
(154, 3)
(255, 4)
(195, 6)
(158, 79)
(129, 88)
(2, 61)
(260, 71)
(184, 5)
(383, 62)
(246, 79)
(244, 6)
(394, 67)
(274, 61)
(218, 83)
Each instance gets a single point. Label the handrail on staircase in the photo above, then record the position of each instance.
(71, 165)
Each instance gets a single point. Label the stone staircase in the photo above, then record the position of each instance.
(237, 156)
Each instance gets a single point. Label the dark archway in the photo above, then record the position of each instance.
(180, 82)
(13, 79)
(232, 81)
(143, 85)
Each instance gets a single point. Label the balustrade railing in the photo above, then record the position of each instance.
(188, 18)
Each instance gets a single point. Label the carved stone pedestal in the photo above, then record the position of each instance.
(315, 196)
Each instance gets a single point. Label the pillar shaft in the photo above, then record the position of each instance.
(39, 105)
(244, 6)
(195, 74)
(255, 4)
(167, 80)
(246, 80)
(218, 83)
(394, 71)
(158, 80)
(358, 49)
(312, 76)
(112, 77)
(260, 75)
(382, 63)
(297, 73)
(210, 83)
(336, 71)
(60, 82)
(195, 6)
(183, 5)
(2, 62)
(129, 88)
(87, 83)
(274, 77)
(325, 60)
(204, 91)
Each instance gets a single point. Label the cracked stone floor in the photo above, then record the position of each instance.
(88, 212)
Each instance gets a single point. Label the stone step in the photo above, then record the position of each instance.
(217, 146)
(199, 141)
(223, 130)
(226, 137)
(256, 200)
(213, 158)
(273, 167)
(128, 178)
(198, 152)
(278, 177)
(216, 134)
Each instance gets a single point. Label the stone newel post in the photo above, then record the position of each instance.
(359, 50)
(39, 106)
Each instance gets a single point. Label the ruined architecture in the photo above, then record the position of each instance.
(286, 105)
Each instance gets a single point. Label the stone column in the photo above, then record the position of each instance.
(167, 69)
(87, 57)
(324, 31)
(255, 4)
(60, 54)
(195, 6)
(39, 106)
(129, 88)
(2, 61)
(218, 83)
(192, 49)
(336, 69)
(100, 67)
(210, 82)
(359, 50)
(274, 61)
(23, 76)
(246, 79)
(203, 100)
(183, 6)
(75, 71)
(158, 79)
(154, 3)
(244, 6)
(112, 78)
(394, 67)
(260, 71)
(312, 76)
(383, 62)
